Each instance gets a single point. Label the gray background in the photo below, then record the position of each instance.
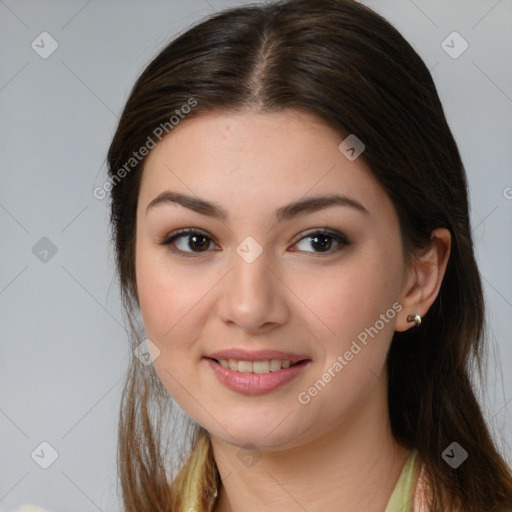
(63, 347)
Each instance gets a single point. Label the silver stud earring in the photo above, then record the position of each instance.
(414, 318)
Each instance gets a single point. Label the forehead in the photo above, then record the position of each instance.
(246, 159)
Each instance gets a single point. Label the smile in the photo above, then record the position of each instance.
(255, 377)
(259, 367)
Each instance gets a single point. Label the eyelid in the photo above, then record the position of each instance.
(340, 237)
(323, 231)
(169, 239)
(185, 231)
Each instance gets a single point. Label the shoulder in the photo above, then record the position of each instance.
(423, 491)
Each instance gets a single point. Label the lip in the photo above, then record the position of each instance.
(256, 355)
(252, 383)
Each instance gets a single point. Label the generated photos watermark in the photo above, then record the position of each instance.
(158, 133)
(304, 397)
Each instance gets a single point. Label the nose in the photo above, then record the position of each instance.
(253, 296)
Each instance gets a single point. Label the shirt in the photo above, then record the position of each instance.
(401, 500)
(403, 495)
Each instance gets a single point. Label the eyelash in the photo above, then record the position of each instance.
(336, 235)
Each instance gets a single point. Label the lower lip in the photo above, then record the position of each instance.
(254, 383)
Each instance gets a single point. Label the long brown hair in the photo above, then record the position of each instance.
(347, 65)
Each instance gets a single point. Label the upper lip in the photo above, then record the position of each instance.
(256, 355)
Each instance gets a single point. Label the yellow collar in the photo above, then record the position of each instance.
(402, 496)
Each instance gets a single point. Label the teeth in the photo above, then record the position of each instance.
(258, 367)
(244, 366)
(275, 365)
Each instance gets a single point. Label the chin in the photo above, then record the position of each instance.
(265, 436)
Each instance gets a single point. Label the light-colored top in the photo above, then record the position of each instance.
(402, 497)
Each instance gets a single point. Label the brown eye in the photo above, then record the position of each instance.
(188, 242)
(323, 241)
(199, 242)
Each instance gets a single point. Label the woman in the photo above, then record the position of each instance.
(290, 216)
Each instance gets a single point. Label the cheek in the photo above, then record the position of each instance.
(352, 297)
(165, 295)
(354, 304)
(174, 301)
(170, 307)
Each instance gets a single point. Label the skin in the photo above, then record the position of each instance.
(337, 448)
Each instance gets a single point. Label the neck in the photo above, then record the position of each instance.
(354, 466)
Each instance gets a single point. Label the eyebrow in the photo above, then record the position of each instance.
(302, 206)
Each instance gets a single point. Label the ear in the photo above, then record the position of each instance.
(423, 279)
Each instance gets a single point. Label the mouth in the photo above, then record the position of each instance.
(256, 367)
(255, 373)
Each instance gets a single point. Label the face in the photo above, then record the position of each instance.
(265, 274)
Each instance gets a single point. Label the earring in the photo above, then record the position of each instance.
(414, 318)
